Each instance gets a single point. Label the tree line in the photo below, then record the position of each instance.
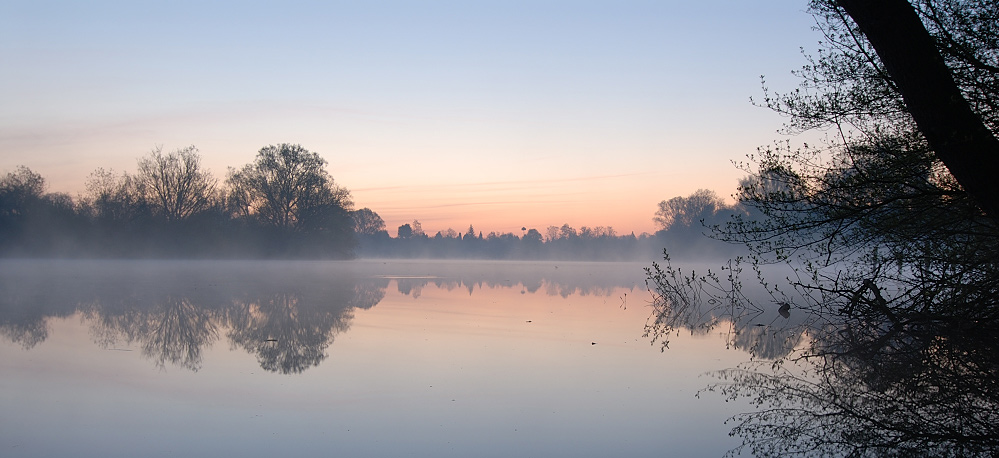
(681, 226)
(285, 204)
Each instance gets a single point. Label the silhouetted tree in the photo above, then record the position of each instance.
(20, 191)
(687, 211)
(893, 262)
(367, 222)
(914, 61)
(567, 232)
(288, 188)
(404, 231)
(114, 199)
(551, 233)
(418, 229)
(533, 237)
(174, 184)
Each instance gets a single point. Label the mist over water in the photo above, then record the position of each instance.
(374, 358)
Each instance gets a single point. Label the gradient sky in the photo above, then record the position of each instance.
(500, 114)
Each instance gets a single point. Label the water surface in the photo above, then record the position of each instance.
(360, 358)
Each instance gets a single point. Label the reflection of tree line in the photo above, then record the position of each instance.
(285, 313)
(550, 278)
(414, 286)
(717, 302)
(867, 381)
(173, 330)
(918, 387)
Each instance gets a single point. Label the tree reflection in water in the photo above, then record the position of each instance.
(27, 334)
(287, 314)
(853, 383)
(287, 333)
(170, 330)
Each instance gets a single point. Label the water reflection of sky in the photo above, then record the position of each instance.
(494, 360)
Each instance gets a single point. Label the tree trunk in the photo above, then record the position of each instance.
(957, 135)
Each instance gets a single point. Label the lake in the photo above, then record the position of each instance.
(356, 358)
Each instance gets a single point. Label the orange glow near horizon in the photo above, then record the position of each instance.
(490, 114)
(625, 202)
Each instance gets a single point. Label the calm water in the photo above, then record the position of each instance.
(361, 358)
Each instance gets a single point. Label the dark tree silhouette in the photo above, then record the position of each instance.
(114, 198)
(404, 231)
(174, 184)
(20, 191)
(32, 222)
(367, 222)
(687, 211)
(910, 56)
(287, 186)
(891, 255)
(288, 189)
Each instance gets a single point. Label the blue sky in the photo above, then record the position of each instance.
(497, 114)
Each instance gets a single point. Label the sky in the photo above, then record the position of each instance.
(496, 114)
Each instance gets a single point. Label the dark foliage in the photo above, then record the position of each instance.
(884, 343)
(172, 209)
(285, 205)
